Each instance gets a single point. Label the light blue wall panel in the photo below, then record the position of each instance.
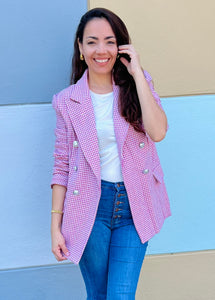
(187, 155)
(27, 140)
(36, 48)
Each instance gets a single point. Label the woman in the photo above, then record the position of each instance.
(109, 196)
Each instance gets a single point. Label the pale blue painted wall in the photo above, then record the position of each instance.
(187, 156)
(36, 48)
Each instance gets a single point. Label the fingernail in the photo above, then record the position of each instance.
(67, 253)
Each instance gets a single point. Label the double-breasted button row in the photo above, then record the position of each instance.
(145, 171)
(75, 145)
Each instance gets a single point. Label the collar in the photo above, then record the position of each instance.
(80, 90)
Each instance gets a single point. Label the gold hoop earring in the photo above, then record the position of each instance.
(81, 57)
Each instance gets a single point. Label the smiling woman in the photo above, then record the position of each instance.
(99, 49)
(109, 196)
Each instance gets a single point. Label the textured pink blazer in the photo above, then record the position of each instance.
(77, 167)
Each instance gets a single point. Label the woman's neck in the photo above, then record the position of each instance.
(100, 84)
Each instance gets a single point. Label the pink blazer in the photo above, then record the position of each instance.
(77, 166)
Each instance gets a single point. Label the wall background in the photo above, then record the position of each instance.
(36, 48)
(36, 59)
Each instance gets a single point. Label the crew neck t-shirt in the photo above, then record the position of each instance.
(108, 151)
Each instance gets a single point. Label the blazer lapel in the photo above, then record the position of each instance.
(120, 124)
(81, 112)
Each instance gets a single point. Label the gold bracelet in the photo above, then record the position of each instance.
(57, 211)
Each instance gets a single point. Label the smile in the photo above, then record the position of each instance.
(102, 60)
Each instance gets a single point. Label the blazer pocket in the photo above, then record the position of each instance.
(158, 173)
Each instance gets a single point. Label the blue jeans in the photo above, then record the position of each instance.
(112, 259)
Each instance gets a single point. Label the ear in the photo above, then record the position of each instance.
(80, 47)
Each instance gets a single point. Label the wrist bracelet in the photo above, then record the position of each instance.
(57, 211)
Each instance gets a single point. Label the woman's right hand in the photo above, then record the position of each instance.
(58, 241)
(58, 245)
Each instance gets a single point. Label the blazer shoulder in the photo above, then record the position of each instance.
(76, 91)
(65, 92)
(60, 97)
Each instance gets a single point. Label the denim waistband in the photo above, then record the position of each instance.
(113, 185)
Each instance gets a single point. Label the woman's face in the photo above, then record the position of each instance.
(99, 47)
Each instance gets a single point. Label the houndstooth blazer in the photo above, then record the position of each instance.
(77, 167)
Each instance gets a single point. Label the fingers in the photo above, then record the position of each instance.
(128, 46)
(129, 50)
(124, 61)
(58, 254)
(59, 250)
(125, 52)
(133, 65)
(65, 250)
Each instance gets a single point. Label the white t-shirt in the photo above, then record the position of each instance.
(108, 152)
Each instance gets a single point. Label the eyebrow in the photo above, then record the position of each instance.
(106, 38)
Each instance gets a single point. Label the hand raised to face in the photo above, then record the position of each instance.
(133, 62)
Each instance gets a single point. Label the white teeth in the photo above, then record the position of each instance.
(101, 60)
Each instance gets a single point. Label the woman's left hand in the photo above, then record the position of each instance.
(133, 66)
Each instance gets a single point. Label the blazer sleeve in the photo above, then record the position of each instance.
(154, 93)
(151, 85)
(61, 151)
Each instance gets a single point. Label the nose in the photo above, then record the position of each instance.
(101, 48)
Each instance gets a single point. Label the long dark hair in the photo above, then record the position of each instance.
(129, 104)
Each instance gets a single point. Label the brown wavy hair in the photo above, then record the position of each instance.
(129, 104)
